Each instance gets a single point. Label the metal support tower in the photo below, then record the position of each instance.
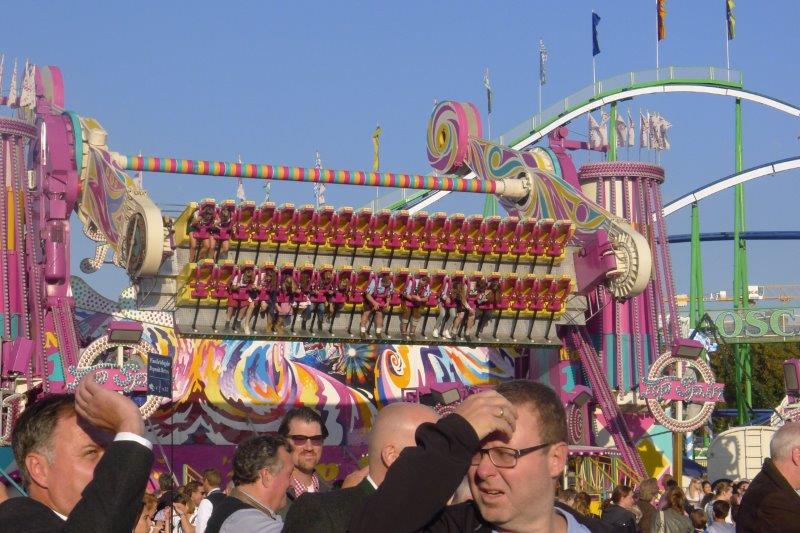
(696, 304)
(611, 154)
(744, 398)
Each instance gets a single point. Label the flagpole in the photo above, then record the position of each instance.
(727, 47)
(594, 76)
(540, 97)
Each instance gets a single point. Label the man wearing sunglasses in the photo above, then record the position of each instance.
(392, 432)
(305, 431)
(511, 444)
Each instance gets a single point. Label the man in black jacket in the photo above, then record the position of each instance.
(84, 460)
(771, 502)
(330, 512)
(510, 442)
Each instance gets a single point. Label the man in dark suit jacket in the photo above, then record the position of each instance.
(330, 512)
(771, 502)
(77, 478)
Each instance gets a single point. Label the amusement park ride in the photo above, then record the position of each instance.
(580, 269)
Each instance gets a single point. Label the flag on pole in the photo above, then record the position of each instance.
(631, 130)
(488, 90)
(729, 5)
(319, 188)
(139, 177)
(542, 61)
(240, 195)
(622, 131)
(12, 88)
(644, 130)
(661, 13)
(595, 44)
(376, 136)
(595, 135)
(267, 190)
(27, 97)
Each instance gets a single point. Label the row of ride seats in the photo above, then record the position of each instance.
(390, 231)
(207, 283)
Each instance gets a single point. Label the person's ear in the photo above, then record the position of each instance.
(265, 477)
(38, 469)
(557, 459)
(389, 455)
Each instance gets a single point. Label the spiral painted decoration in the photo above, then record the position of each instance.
(449, 129)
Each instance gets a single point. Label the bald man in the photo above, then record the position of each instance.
(771, 502)
(330, 512)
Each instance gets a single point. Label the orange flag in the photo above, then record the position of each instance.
(662, 13)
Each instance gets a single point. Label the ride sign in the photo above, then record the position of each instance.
(763, 324)
(686, 389)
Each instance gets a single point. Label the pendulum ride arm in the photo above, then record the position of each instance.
(578, 339)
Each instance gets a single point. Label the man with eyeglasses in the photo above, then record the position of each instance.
(511, 444)
(305, 431)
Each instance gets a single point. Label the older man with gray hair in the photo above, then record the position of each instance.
(262, 471)
(771, 503)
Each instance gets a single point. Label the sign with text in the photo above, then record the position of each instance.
(159, 375)
(686, 389)
(757, 325)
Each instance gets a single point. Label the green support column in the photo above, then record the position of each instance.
(490, 206)
(744, 399)
(696, 304)
(611, 155)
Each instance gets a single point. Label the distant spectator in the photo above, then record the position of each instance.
(721, 510)
(145, 522)
(699, 520)
(672, 518)
(582, 501)
(722, 492)
(739, 488)
(566, 496)
(618, 513)
(213, 494)
(694, 493)
(648, 493)
(771, 502)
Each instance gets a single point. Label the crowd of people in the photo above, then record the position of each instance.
(493, 464)
(702, 507)
(314, 298)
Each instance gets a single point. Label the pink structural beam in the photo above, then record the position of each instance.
(306, 174)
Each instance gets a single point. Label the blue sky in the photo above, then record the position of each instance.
(274, 82)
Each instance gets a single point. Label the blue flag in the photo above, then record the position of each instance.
(595, 22)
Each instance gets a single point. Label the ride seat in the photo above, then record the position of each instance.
(203, 279)
(242, 221)
(539, 237)
(283, 224)
(322, 225)
(222, 278)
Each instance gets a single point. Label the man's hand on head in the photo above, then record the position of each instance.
(488, 412)
(107, 409)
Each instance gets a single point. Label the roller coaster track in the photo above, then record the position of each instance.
(721, 184)
(698, 80)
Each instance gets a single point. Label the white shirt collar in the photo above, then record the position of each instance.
(372, 482)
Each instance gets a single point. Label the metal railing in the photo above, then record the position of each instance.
(630, 80)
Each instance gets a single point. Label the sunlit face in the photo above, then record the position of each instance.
(514, 497)
(59, 482)
(307, 455)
